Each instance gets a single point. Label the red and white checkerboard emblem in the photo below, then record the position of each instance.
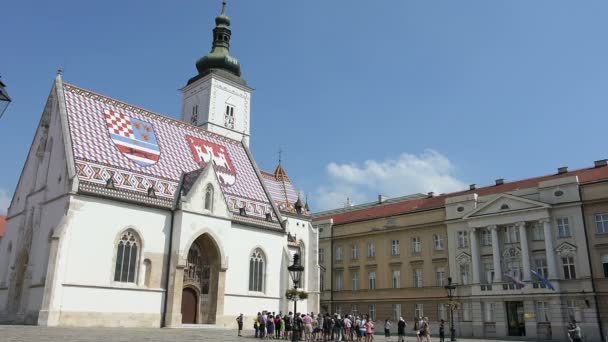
(205, 151)
(133, 137)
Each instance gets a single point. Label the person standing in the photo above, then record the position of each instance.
(425, 332)
(387, 329)
(278, 324)
(288, 321)
(576, 335)
(417, 328)
(369, 328)
(239, 322)
(442, 331)
(401, 330)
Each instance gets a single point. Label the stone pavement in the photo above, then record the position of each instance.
(20, 333)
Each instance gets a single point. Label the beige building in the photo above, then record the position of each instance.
(386, 259)
(595, 205)
(518, 252)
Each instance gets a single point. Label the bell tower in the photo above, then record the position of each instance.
(217, 98)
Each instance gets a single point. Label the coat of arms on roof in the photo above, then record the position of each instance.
(205, 151)
(134, 138)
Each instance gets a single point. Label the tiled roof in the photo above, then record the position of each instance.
(382, 210)
(2, 225)
(140, 150)
(281, 189)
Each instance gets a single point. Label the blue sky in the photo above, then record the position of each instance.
(364, 97)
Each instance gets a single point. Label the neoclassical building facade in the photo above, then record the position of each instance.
(125, 217)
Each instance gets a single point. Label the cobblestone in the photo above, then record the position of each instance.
(17, 333)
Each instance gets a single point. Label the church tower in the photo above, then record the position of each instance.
(218, 99)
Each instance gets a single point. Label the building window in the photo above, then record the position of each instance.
(395, 247)
(354, 280)
(513, 268)
(371, 280)
(440, 277)
(354, 310)
(489, 272)
(438, 242)
(442, 312)
(571, 307)
(542, 312)
(416, 245)
(257, 271)
(321, 255)
(419, 310)
(488, 312)
(418, 278)
(354, 252)
(209, 197)
(229, 117)
(605, 265)
(339, 253)
(464, 273)
(563, 227)
(338, 281)
(463, 239)
(511, 234)
(372, 311)
(486, 237)
(371, 250)
(396, 279)
(127, 257)
(322, 281)
(339, 309)
(540, 264)
(538, 233)
(601, 223)
(194, 117)
(569, 271)
(466, 311)
(396, 312)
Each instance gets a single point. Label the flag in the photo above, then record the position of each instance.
(543, 280)
(518, 283)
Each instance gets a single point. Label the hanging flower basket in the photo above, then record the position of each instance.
(295, 295)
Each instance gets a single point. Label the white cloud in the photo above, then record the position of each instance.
(407, 174)
(5, 201)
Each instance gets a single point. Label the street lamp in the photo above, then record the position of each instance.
(5, 100)
(295, 270)
(451, 289)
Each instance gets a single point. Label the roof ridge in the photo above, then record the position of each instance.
(149, 112)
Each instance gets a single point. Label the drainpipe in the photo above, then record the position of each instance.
(168, 263)
(597, 308)
(331, 271)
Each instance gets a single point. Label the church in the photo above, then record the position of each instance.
(125, 217)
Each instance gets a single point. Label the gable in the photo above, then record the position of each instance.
(141, 150)
(505, 203)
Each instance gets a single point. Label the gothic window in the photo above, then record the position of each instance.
(127, 257)
(209, 197)
(194, 117)
(257, 271)
(229, 117)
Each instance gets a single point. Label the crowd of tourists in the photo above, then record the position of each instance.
(309, 327)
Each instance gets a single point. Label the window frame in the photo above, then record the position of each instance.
(601, 219)
(438, 242)
(416, 245)
(371, 280)
(354, 280)
(542, 312)
(395, 247)
(257, 271)
(396, 279)
(354, 251)
(418, 280)
(463, 239)
(569, 267)
(371, 250)
(136, 241)
(563, 227)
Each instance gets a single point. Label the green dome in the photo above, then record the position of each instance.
(219, 57)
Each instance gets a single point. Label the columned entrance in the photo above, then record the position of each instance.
(200, 282)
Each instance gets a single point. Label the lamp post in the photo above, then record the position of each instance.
(5, 100)
(295, 270)
(451, 289)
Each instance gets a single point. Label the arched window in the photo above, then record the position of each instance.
(209, 197)
(257, 271)
(147, 271)
(127, 255)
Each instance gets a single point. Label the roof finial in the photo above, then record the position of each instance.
(60, 70)
(224, 7)
(280, 155)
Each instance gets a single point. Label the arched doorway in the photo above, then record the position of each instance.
(201, 276)
(189, 305)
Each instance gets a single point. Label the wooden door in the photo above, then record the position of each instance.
(189, 304)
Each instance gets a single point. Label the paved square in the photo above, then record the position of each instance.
(19, 333)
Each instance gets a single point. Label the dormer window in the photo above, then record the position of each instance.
(229, 117)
